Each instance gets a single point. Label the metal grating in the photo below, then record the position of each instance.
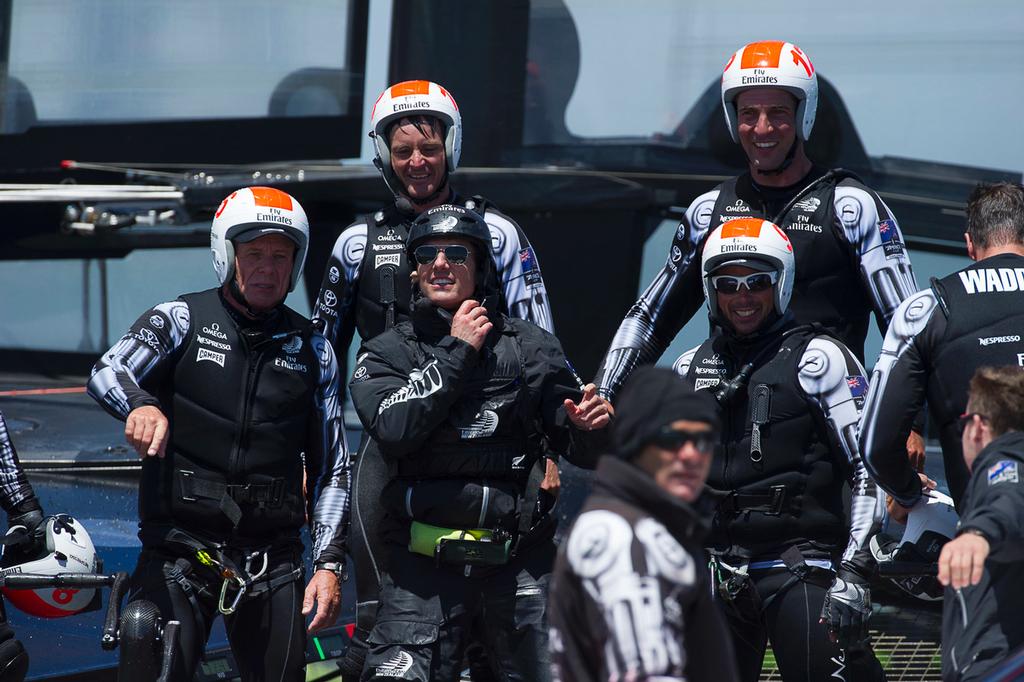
(906, 639)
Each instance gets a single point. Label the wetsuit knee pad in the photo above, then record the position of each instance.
(13, 661)
(139, 633)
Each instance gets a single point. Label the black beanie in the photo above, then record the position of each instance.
(653, 398)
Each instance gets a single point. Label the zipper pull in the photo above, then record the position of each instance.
(761, 400)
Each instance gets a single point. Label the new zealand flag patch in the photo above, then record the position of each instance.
(531, 273)
(858, 385)
(1003, 472)
(890, 235)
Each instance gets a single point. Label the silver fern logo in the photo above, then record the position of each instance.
(483, 425)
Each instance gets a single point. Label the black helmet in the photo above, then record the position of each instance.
(456, 221)
(449, 220)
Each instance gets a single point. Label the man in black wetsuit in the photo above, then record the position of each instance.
(23, 511)
(231, 399)
(939, 336)
(417, 135)
(464, 401)
(790, 558)
(983, 567)
(850, 255)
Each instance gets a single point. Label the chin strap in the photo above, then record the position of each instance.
(786, 162)
(239, 297)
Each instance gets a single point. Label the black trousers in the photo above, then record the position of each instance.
(428, 614)
(800, 643)
(267, 632)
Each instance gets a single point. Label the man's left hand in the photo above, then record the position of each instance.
(962, 561)
(847, 609)
(323, 592)
(915, 451)
(591, 412)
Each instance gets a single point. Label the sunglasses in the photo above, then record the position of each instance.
(966, 418)
(758, 281)
(453, 253)
(671, 439)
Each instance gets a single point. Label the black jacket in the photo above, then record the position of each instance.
(462, 429)
(982, 624)
(631, 597)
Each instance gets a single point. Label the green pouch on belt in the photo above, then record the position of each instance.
(475, 546)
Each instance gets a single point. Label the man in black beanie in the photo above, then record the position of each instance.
(631, 580)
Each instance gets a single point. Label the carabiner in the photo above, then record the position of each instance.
(228, 610)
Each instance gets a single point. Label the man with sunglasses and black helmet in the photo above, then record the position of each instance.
(629, 596)
(417, 139)
(462, 401)
(850, 254)
(790, 563)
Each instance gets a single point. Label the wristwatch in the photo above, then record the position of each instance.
(975, 531)
(335, 567)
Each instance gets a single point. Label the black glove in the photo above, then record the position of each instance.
(25, 533)
(847, 609)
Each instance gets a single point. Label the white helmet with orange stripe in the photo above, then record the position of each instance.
(771, 64)
(414, 98)
(254, 212)
(754, 243)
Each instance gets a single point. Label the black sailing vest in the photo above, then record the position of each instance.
(384, 294)
(239, 408)
(474, 468)
(827, 287)
(793, 467)
(984, 327)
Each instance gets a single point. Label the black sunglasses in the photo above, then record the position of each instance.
(673, 439)
(730, 284)
(453, 253)
(963, 420)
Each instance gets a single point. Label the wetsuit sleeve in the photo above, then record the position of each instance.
(16, 494)
(401, 403)
(898, 388)
(548, 368)
(834, 382)
(328, 465)
(519, 271)
(666, 305)
(334, 308)
(878, 246)
(140, 358)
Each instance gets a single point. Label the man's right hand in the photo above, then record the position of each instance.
(470, 323)
(897, 512)
(146, 431)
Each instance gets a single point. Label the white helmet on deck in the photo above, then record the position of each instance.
(414, 98)
(254, 212)
(771, 64)
(66, 548)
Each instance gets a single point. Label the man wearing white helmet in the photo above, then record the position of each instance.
(231, 400)
(417, 138)
(850, 254)
(791, 562)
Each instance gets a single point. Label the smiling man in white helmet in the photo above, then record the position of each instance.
(791, 560)
(417, 137)
(231, 400)
(850, 254)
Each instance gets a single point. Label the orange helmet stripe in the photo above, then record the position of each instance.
(742, 227)
(271, 198)
(410, 88)
(765, 54)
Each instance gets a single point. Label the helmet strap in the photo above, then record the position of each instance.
(239, 297)
(786, 162)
